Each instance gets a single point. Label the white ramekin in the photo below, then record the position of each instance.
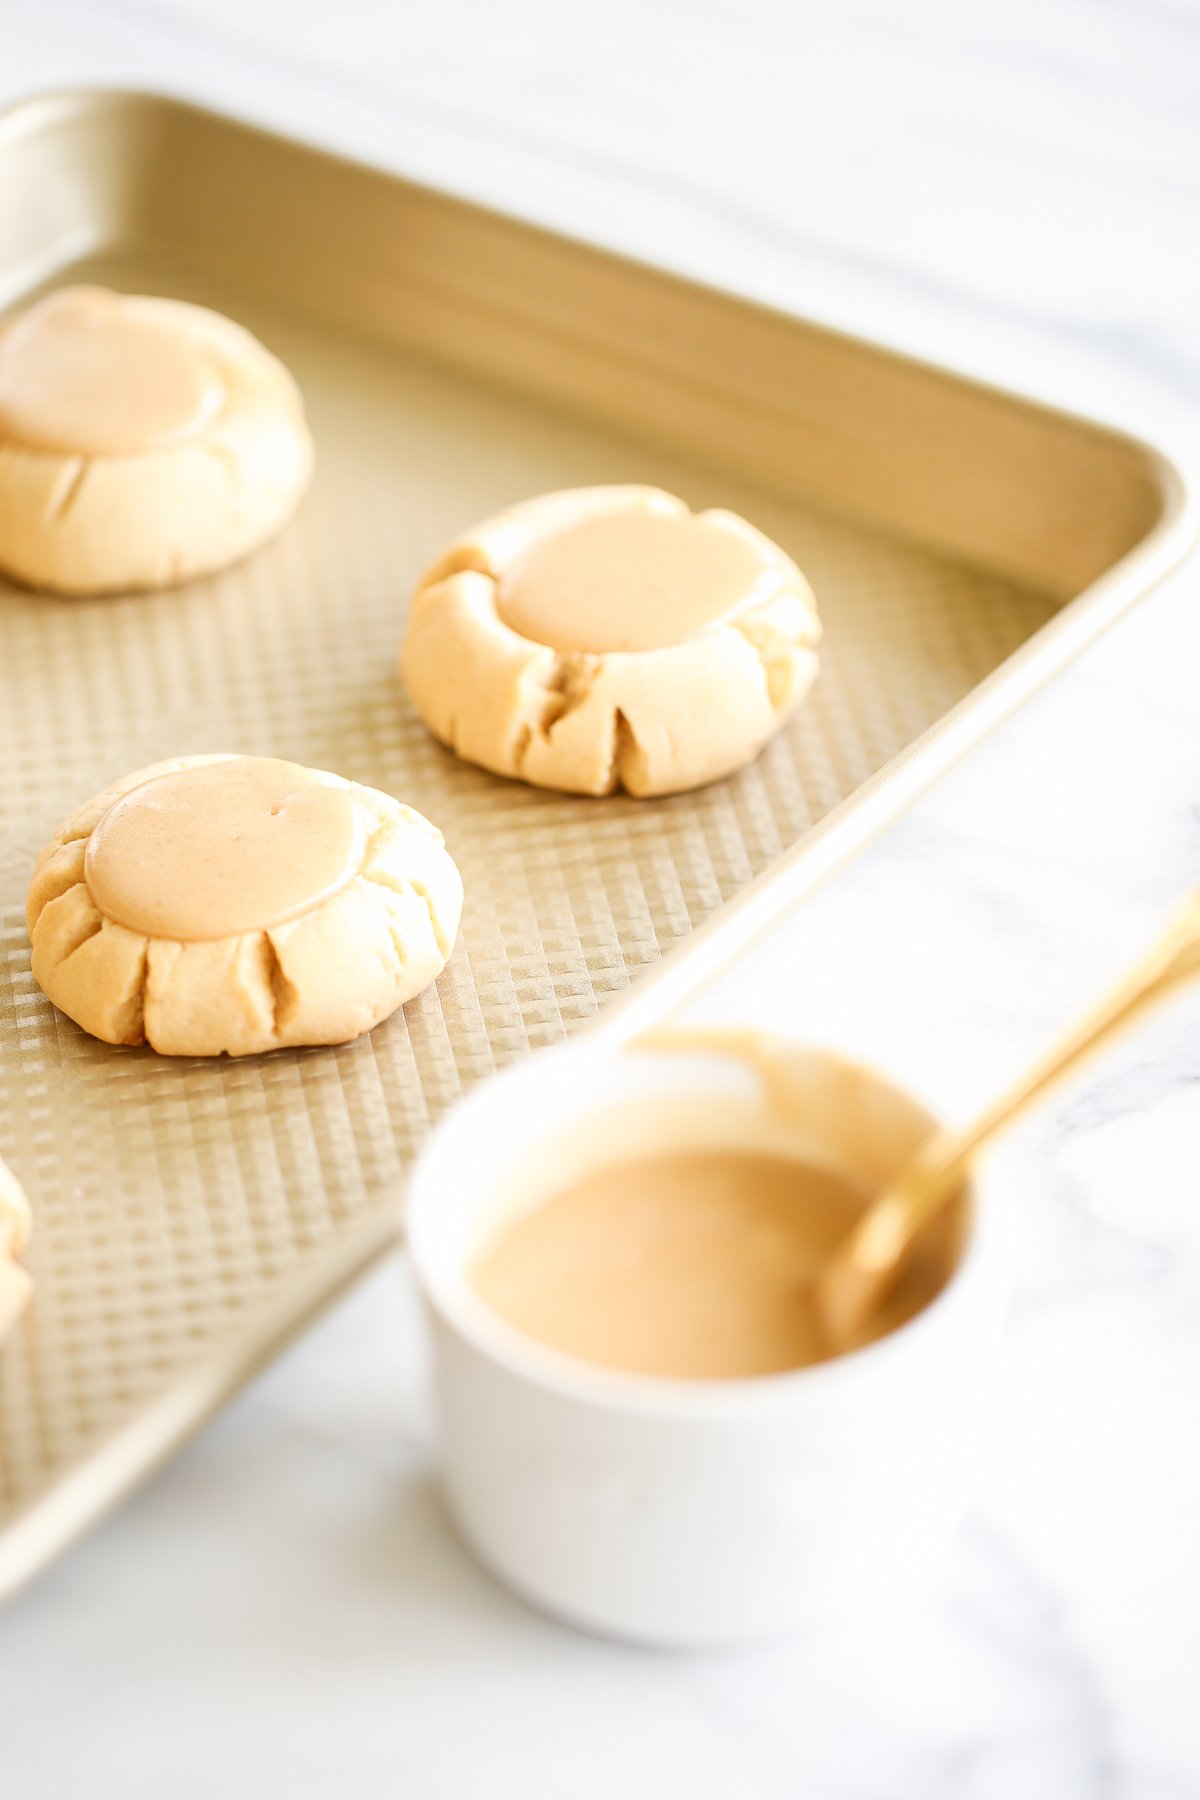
(689, 1513)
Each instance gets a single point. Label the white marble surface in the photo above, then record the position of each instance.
(1014, 186)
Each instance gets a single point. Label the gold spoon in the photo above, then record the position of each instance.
(868, 1261)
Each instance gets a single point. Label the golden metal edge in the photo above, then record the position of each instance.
(95, 1488)
(1179, 492)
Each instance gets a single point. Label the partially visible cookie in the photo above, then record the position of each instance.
(143, 441)
(15, 1285)
(226, 904)
(606, 638)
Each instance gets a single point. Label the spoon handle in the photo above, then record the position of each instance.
(886, 1230)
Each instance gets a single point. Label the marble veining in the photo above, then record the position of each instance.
(1014, 188)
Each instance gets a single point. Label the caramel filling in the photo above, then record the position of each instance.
(630, 581)
(86, 373)
(224, 848)
(685, 1264)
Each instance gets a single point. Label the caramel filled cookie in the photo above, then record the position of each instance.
(606, 638)
(15, 1285)
(236, 904)
(142, 442)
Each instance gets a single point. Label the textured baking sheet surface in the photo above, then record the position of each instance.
(173, 1198)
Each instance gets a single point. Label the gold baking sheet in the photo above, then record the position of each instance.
(189, 1214)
